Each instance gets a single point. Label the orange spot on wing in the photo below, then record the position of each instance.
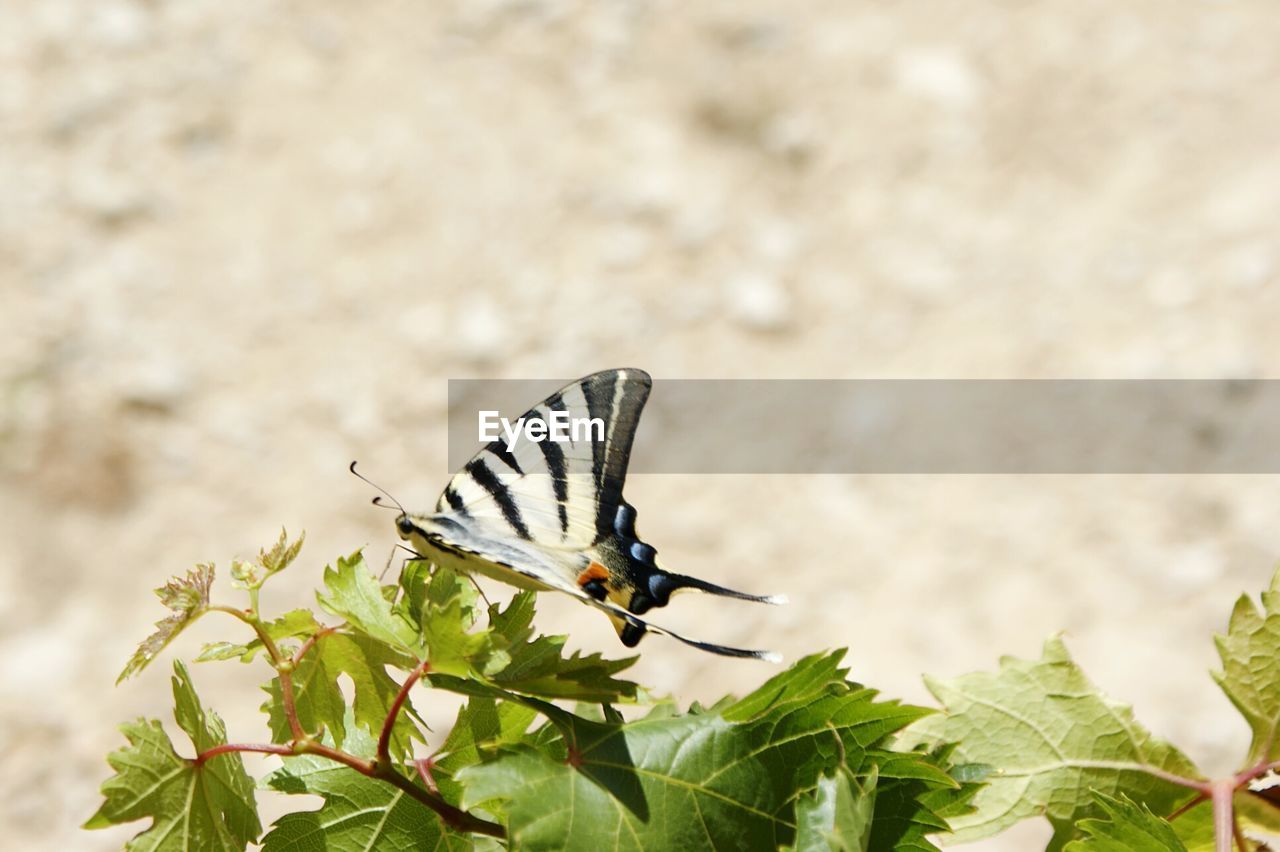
(594, 571)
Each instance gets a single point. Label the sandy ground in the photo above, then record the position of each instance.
(243, 244)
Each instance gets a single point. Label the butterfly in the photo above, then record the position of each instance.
(549, 515)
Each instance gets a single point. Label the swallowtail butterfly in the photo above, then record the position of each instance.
(549, 515)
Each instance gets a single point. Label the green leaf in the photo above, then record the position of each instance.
(506, 653)
(1250, 673)
(909, 811)
(358, 813)
(206, 806)
(837, 814)
(443, 606)
(1049, 737)
(188, 597)
(697, 781)
(806, 680)
(482, 728)
(354, 594)
(1128, 827)
(915, 793)
(320, 703)
(539, 667)
(425, 586)
(1195, 828)
(292, 625)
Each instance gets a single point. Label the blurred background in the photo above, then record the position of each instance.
(243, 244)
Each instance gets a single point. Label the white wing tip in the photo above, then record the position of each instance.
(771, 656)
(776, 600)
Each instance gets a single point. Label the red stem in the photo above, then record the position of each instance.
(290, 709)
(424, 769)
(1258, 771)
(384, 739)
(1221, 791)
(1188, 806)
(286, 682)
(459, 820)
(456, 818)
(364, 767)
(311, 640)
(227, 748)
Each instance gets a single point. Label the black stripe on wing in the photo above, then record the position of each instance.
(554, 457)
(597, 390)
(488, 480)
(499, 449)
(618, 397)
(455, 501)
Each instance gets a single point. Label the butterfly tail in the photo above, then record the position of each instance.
(631, 629)
(725, 650)
(665, 584)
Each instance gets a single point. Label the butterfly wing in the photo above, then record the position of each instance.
(550, 514)
(557, 494)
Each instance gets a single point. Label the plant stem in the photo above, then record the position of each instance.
(301, 743)
(1188, 806)
(251, 619)
(290, 708)
(1221, 791)
(364, 767)
(424, 769)
(311, 641)
(1189, 783)
(384, 739)
(283, 665)
(228, 748)
(1258, 771)
(457, 819)
(1226, 830)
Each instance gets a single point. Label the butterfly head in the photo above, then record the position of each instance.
(405, 525)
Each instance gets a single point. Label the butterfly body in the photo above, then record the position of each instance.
(457, 547)
(549, 516)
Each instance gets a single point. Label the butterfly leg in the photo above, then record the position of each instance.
(483, 596)
(385, 568)
(391, 558)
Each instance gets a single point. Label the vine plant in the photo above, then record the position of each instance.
(542, 756)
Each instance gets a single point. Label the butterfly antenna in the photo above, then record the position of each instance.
(377, 501)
